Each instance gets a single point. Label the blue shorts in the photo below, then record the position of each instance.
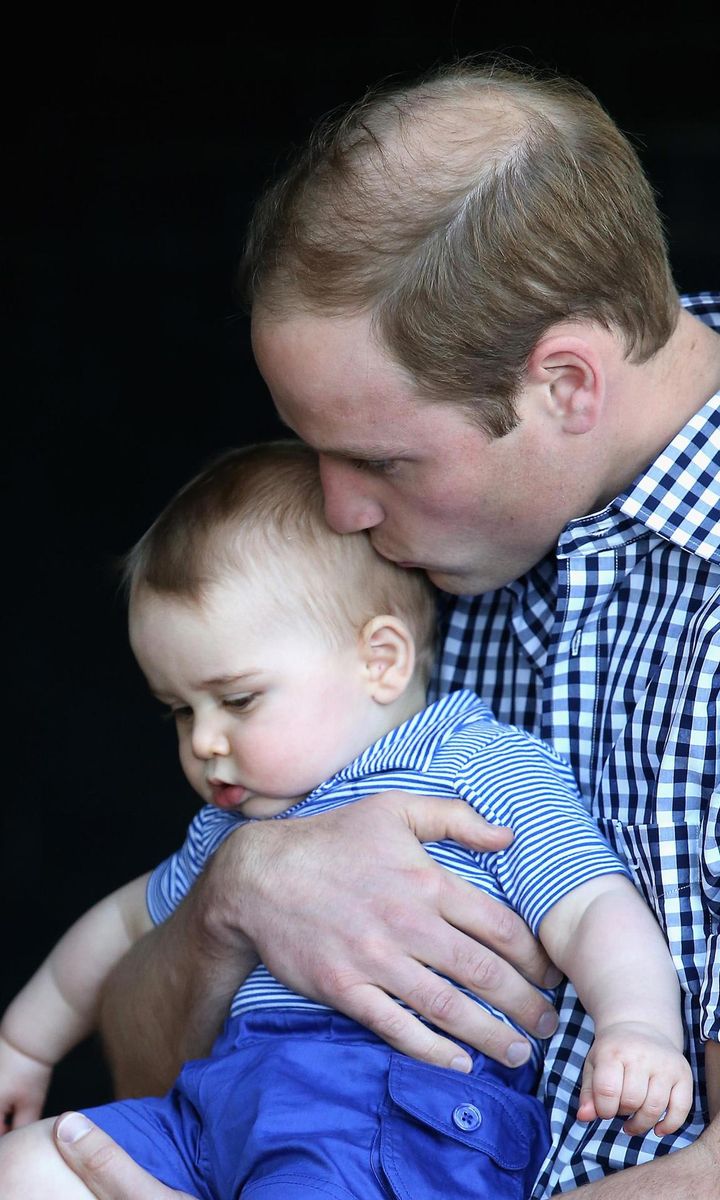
(306, 1106)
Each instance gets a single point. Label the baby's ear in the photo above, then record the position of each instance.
(387, 649)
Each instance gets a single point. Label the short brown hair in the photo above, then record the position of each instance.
(258, 511)
(468, 213)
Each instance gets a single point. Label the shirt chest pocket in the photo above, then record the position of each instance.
(664, 861)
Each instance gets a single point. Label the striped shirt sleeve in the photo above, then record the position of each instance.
(519, 782)
(171, 881)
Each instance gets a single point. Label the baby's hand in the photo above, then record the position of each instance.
(635, 1071)
(24, 1083)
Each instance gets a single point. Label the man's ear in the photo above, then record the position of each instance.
(571, 374)
(387, 650)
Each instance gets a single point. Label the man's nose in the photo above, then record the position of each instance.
(209, 740)
(349, 501)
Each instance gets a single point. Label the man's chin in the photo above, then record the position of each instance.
(458, 583)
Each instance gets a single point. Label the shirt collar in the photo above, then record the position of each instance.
(412, 745)
(677, 497)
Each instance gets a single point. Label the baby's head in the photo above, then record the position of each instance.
(282, 649)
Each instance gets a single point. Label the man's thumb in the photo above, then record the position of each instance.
(103, 1166)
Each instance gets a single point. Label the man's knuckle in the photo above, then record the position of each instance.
(442, 1005)
(97, 1161)
(528, 1008)
(397, 916)
(390, 1026)
(507, 927)
(494, 1040)
(486, 973)
(336, 983)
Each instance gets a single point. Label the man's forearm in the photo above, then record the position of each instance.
(689, 1174)
(167, 998)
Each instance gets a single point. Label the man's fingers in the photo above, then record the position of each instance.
(419, 926)
(445, 1005)
(106, 1170)
(437, 819)
(497, 927)
(403, 1031)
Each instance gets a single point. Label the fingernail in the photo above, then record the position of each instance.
(547, 1024)
(461, 1063)
(552, 977)
(517, 1053)
(73, 1127)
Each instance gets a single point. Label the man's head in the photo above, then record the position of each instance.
(465, 216)
(455, 290)
(283, 649)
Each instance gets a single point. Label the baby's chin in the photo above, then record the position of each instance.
(267, 806)
(238, 799)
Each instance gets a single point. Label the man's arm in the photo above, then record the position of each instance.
(712, 1078)
(347, 908)
(689, 1174)
(166, 999)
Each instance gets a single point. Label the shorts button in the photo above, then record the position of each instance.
(467, 1117)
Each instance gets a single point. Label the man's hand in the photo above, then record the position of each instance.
(348, 908)
(634, 1070)
(107, 1170)
(24, 1082)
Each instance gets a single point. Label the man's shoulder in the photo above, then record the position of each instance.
(705, 305)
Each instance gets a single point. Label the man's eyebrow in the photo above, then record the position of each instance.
(366, 450)
(376, 450)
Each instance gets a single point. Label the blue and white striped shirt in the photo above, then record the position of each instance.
(453, 748)
(609, 649)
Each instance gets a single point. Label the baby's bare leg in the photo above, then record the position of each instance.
(32, 1169)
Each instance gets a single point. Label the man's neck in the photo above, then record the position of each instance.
(656, 399)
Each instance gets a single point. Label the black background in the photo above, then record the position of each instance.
(131, 162)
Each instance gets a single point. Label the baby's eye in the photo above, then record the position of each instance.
(239, 702)
(181, 713)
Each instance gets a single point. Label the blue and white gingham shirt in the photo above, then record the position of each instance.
(609, 649)
(455, 747)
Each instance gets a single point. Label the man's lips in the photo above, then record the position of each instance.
(228, 795)
(398, 562)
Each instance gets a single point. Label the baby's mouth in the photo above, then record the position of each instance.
(228, 795)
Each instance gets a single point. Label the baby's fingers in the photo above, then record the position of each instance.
(648, 1112)
(678, 1106)
(664, 1108)
(607, 1087)
(586, 1105)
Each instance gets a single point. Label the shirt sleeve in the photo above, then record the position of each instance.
(516, 780)
(171, 881)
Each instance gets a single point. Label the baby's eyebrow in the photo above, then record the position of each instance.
(225, 680)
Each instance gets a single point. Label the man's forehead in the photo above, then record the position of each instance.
(313, 356)
(330, 438)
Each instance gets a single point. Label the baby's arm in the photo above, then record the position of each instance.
(609, 945)
(58, 1007)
